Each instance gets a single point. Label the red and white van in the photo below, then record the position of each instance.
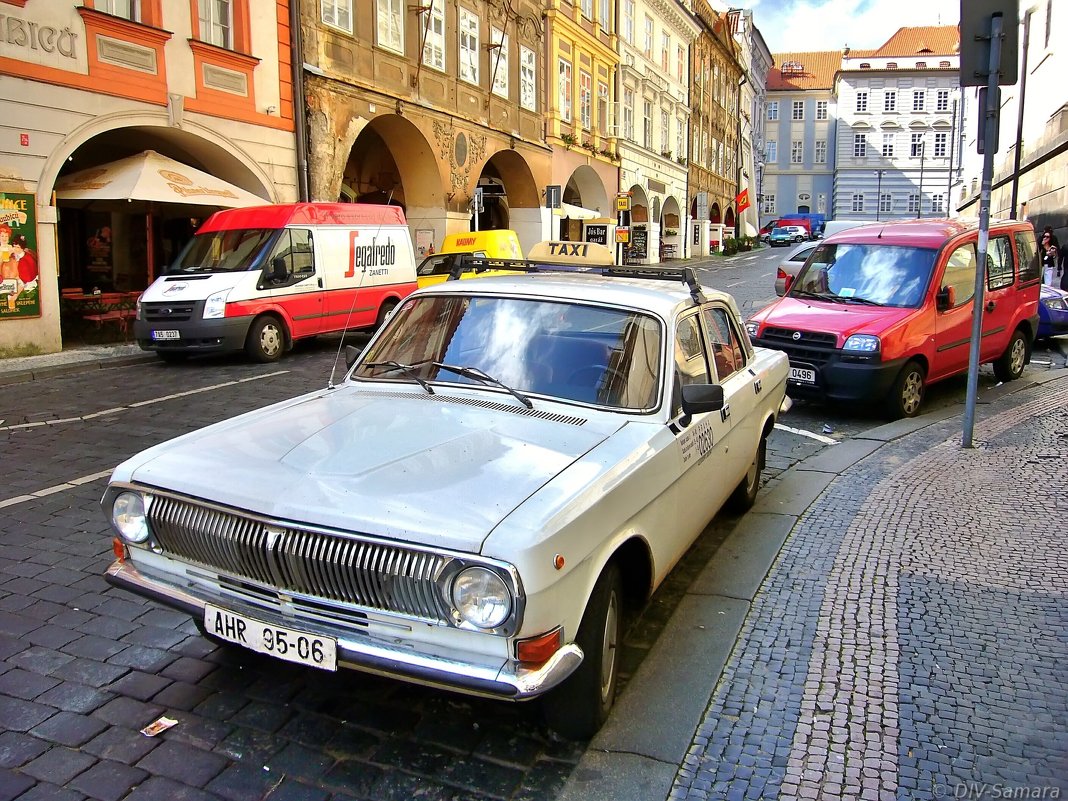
(261, 278)
(878, 312)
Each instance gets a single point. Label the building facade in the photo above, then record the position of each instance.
(86, 84)
(800, 118)
(1036, 190)
(899, 110)
(757, 61)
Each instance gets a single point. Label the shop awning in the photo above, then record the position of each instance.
(573, 212)
(151, 177)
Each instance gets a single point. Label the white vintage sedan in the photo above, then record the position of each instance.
(510, 464)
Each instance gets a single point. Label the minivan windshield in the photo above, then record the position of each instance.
(224, 251)
(871, 274)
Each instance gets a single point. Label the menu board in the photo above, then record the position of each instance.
(639, 242)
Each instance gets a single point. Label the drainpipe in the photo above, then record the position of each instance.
(296, 59)
(1018, 155)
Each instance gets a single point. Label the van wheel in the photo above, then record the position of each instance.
(580, 706)
(907, 394)
(384, 312)
(745, 494)
(1010, 364)
(266, 340)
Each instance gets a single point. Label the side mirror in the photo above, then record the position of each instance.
(352, 353)
(946, 298)
(701, 398)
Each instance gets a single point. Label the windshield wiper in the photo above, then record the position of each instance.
(819, 296)
(865, 301)
(407, 369)
(479, 375)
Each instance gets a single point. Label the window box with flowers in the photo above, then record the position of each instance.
(588, 144)
(569, 140)
(665, 153)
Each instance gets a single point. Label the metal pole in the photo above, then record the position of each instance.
(919, 206)
(952, 142)
(1018, 155)
(990, 128)
(879, 195)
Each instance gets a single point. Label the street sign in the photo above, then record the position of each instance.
(552, 196)
(975, 41)
(622, 202)
(476, 202)
(622, 235)
(702, 205)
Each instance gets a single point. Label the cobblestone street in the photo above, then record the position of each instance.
(911, 641)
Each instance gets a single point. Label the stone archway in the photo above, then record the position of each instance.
(390, 161)
(714, 213)
(728, 219)
(510, 197)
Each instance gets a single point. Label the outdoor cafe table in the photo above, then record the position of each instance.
(102, 307)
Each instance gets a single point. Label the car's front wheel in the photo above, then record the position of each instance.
(907, 394)
(266, 339)
(1010, 364)
(580, 706)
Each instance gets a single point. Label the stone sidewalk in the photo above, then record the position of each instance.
(911, 640)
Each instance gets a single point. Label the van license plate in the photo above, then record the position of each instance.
(802, 375)
(289, 644)
(171, 334)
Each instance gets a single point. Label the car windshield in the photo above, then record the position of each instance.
(224, 251)
(886, 275)
(575, 352)
(440, 264)
(779, 231)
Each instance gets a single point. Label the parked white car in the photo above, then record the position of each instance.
(509, 465)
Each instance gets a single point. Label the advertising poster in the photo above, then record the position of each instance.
(20, 295)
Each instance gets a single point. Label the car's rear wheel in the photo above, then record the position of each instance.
(745, 494)
(580, 706)
(266, 341)
(907, 394)
(1010, 364)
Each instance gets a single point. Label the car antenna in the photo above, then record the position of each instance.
(355, 296)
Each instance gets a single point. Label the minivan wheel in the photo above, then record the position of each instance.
(907, 394)
(580, 706)
(266, 340)
(1010, 364)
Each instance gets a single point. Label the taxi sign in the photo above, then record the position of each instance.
(572, 253)
(622, 234)
(622, 202)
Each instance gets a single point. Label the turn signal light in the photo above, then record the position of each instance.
(537, 650)
(119, 549)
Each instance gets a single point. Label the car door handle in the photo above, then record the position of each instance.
(320, 283)
(990, 305)
(725, 412)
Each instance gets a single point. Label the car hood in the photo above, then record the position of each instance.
(843, 319)
(422, 468)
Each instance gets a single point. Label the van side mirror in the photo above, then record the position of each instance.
(946, 298)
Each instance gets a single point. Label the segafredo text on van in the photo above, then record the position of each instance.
(261, 278)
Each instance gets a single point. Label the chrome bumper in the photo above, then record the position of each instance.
(510, 681)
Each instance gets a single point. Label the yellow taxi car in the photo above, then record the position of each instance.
(498, 244)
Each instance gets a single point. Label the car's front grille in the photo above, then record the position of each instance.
(812, 347)
(167, 312)
(343, 568)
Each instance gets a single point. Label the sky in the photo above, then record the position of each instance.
(806, 25)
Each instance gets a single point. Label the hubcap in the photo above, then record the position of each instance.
(1016, 357)
(609, 648)
(270, 340)
(912, 392)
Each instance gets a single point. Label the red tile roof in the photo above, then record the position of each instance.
(934, 40)
(817, 70)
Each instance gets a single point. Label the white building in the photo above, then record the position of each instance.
(757, 61)
(898, 126)
(654, 114)
(1041, 193)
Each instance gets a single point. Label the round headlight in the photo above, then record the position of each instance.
(128, 517)
(481, 597)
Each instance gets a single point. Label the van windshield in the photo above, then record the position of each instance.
(224, 251)
(880, 275)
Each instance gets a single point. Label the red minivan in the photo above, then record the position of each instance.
(879, 312)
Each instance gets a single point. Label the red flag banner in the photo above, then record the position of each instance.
(741, 201)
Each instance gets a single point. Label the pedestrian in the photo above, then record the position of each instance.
(1051, 268)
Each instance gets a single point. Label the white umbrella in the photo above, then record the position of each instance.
(155, 178)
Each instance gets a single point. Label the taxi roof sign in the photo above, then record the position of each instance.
(588, 253)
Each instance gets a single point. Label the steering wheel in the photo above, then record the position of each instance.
(603, 372)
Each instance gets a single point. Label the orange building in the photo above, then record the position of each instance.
(130, 121)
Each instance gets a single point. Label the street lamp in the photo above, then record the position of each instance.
(879, 195)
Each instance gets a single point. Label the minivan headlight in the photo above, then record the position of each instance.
(752, 328)
(215, 305)
(128, 516)
(481, 597)
(862, 343)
